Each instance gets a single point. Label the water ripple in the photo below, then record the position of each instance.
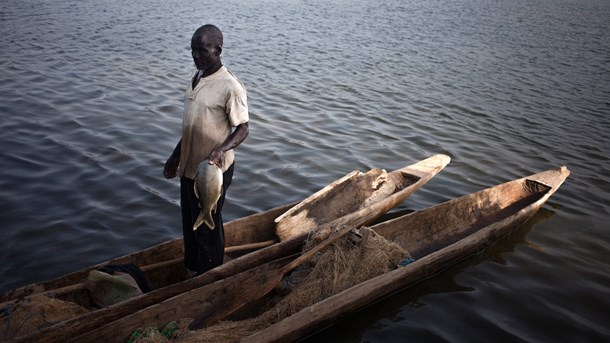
(92, 100)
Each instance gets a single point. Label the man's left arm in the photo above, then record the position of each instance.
(235, 138)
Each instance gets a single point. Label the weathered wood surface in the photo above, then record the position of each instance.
(318, 208)
(179, 306)
(63, 331)
(189, 304)
(438, 237)
(234, 295)
(354, 192)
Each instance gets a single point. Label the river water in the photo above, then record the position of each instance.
(91, 106)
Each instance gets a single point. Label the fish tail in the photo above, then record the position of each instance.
(198, 222)
(209, 221)
(203, 219)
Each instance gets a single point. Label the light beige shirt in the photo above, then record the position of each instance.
(216, 105)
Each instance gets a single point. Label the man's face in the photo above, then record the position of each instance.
(205, 53)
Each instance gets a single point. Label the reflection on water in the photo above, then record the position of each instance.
(91, 100)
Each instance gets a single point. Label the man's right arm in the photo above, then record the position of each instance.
(171, 166)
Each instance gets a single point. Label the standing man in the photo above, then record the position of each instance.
(215, 122)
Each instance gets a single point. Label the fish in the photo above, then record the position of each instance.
(208, 189)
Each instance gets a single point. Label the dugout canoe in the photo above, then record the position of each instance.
(437, 238)
(167, 278)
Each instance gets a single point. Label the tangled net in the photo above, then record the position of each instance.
(33, 313)
(355, 258)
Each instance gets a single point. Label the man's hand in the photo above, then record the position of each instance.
(171, 167)
(216, 157)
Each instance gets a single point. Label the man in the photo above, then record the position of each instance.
(215, 103)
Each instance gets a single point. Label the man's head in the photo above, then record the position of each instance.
(206, 47)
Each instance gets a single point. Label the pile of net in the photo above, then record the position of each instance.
(33, 313)
(355, 258)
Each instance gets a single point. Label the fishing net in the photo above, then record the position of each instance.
(35, 312)
(359, 256)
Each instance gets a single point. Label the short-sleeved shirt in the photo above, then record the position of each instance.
(211, 109)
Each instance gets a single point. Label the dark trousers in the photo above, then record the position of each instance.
(204, 248)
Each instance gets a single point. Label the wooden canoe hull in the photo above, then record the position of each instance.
(438, 237)
(405, 181)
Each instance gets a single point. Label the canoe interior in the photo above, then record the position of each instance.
(354, 192)
(429, 230)
(359, 193)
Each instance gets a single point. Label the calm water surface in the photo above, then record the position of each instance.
(91, 105)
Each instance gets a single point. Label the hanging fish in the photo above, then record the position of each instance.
(208, 188)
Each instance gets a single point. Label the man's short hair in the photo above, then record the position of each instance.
(210, 30)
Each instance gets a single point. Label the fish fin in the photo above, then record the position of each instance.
(204, 219)
(209, 221)
(200, 220)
